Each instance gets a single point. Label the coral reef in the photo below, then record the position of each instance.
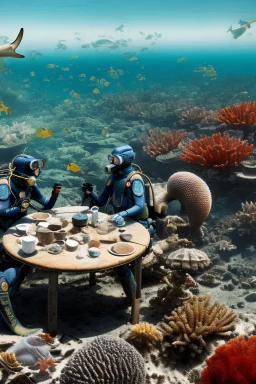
(243, 114)
(194, 195)
(159, 142)
(105, 359)
(216, 151)
(197, 115)
(189, 324)
(145, 336)
(246, 219)
(233, 362)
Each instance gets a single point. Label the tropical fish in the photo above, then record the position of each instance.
(95, 90)
(66, 130)
(240, 31)
(129, 56)
(65, 69)
(120, 28)
(104, 132)
(243, 93)
(46, 80)
(8, 50)
(52, 66)
(82, 75)
(74, 168)
(85, 45)
(103, 42)
(181, 59)
(73, 57)
(33, 54)
(92, 78)
(75, 94)
(4, 108)
(106, 84)
(149, 37)
(61, 46)
(43, 133)
(32, 74)
(102, 81)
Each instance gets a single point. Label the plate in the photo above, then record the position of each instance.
(40, 216)
(122, 249)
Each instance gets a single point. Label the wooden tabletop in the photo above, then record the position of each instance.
(79, 260)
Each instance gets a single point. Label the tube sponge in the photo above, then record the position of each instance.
(105, 360)
(233, 362)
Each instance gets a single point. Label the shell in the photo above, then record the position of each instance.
(189, 259)
(8, 360)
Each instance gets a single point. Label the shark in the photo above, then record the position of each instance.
(8, 50)
(239, 31)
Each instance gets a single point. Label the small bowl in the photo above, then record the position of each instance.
(93, 252)
(54, 227)
(71, 245)
(60, 235)
(40, 216)
(80, 220)
(122, 249)
(22, 229)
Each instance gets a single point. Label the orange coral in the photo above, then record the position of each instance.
(159, 142)
(242, 114)
(46, 337)
(145, 336)
(216, 151)
(45, 364)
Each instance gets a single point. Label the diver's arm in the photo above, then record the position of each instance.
(41, 199)
(10, 212)
(103, 197)
(139, 200)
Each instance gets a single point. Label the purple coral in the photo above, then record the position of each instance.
(105, 360)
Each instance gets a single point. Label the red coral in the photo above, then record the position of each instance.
(44, 364)
(160, 142)
(233, 363)
(216, 151)
(243, 114)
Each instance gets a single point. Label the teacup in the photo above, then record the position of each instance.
(45, 236)
(28, 244)
(22, 229)
(94, 252)
(71, 245)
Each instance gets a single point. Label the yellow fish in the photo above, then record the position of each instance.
(95, 90)
(43, 133)
(73, 57)
(67, 130)
(82, 75)
(106, 84)
(66, 69)
(74, 167)
(4, 108)
(105, 132)
(243, 93)
(32, 74)
(74, 94)
(181, 59)
(52, 66)
(102, 81)
(92, 78)
(45, 79)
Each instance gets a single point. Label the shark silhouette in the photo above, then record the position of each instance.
(239, 31)
(8, 50)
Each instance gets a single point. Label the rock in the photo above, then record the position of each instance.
(251, 297)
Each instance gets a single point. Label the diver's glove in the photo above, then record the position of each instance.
(56, 189)
(87, 188)
(118, 220)
(23, 204)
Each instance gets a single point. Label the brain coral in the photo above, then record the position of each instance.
(192, 192)
(105, 360)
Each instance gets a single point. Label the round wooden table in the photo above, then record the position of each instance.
(79, 260)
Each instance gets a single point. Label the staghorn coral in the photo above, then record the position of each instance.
(243, 114)
(233, 362)
(159, 142)
(145, 336)
(106, 359)
(189, 324)
(216, 151)
(194, 195)
(197, 115)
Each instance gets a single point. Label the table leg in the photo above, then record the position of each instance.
(53, 303)
(136, 299)
(92, 279)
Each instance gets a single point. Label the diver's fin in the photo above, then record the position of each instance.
(241, 22)
(16, 43)
(7, 313)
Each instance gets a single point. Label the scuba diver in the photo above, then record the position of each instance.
(124, 193)
(16, 193)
